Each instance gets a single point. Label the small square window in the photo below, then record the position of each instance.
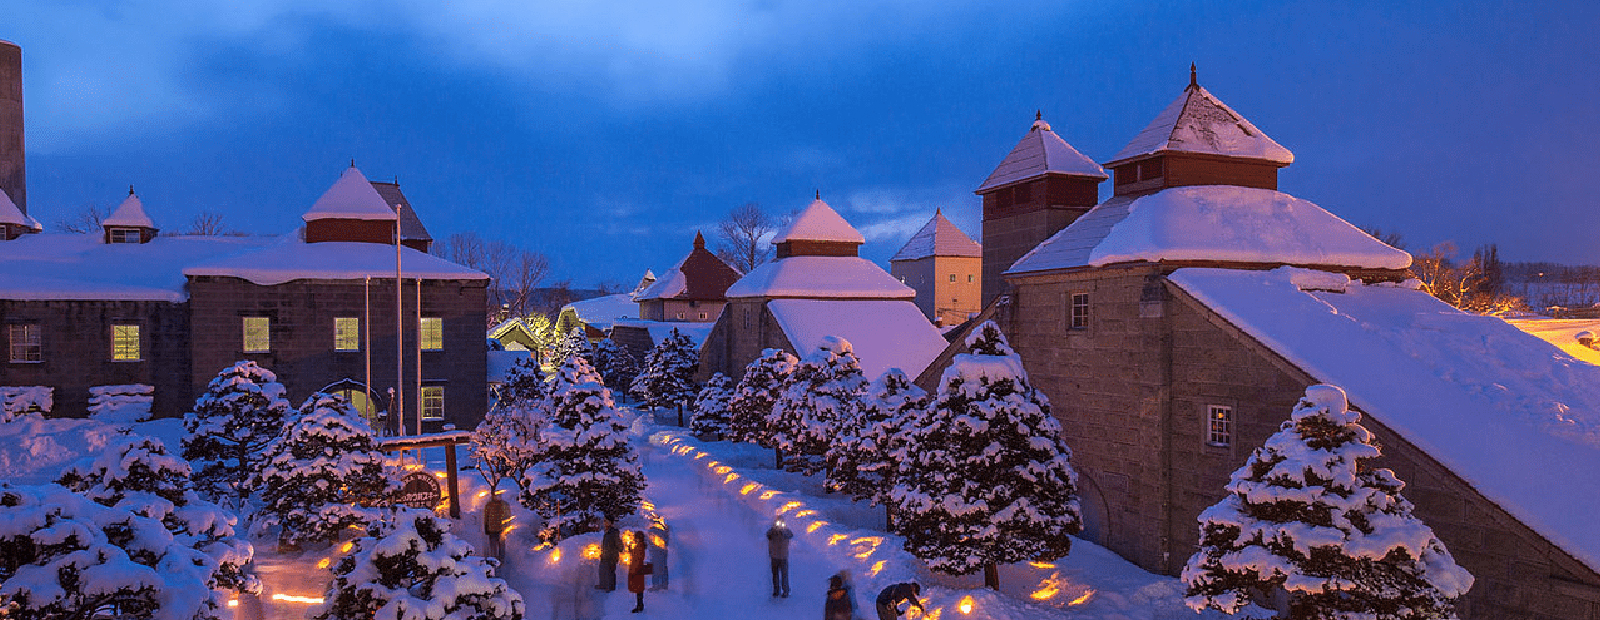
(433, 402)
(26, 344)
(969, 278)
(125, 342)
(346, 333)
(680, 315)
(702, 316)
(257, 334)
(431, 334)
(1079, 318)
(125, 235)
(1219, 425)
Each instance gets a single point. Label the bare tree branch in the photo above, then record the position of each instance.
(86, 220)
(742, 236)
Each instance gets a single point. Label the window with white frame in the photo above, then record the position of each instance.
(1219, 425)
(1078, 317)
(346, 333)
(126, 235)
(431, 333)
(257, 334)
(125, 342)
(433, 402)
(26, 344)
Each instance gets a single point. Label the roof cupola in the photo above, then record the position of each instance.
(129, 224)
(818, 231)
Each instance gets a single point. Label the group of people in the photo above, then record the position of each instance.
(839, 603)
(645, 557)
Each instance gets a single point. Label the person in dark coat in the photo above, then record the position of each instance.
(610, 551)
(778, 537)
(636, 568)
(890, 598)
(838, 605)
(495, 515)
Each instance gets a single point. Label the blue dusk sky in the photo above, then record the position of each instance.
(605, 133)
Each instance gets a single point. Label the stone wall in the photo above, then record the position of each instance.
(741, 333)
(76, 351)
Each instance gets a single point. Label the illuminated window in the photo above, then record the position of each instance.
(703, 316)
(1079, 317)
(1219, 421)
(125, 342)
(125, 235)
(680, 316)
(432, 333)
(25, 343)
(257, 334)
(432, 402)
(346, 333)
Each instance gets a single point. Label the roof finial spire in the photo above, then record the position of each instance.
(130, 189)
(352, 162)
(1038, 115)
(1194, 80)
(819, 194)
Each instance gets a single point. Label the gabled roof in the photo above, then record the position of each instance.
(411, 227)
(602, 312)
(819, 222)
(884, 333)
(1040, 152)
(129, 213)
(821, 277)
(1197, 122)
(1513, 416)
(1210, 222)
(700, 275)
(9, 213)
(352, 197)
(938, 237)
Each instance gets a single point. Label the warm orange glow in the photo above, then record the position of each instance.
(805, 513)
(233, 602)
(657, 541)
(876, 568)
(814, 525)
(1082, 598)
(591, 552)
(290, 598)
(1042, 564)
(768, 494)
(439, 474)
(730, 478)
(713, 465)
(865, 546)
(836, 538)
(483, 493)
(347, 547)
(749, 487)
(723, 469)
(645, 504)
(965, 606)
(787, 506)
(555, 556)
(322, 563)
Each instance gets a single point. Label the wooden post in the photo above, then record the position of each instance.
(450, 476)
(991, 576)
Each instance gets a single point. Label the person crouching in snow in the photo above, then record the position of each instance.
(778, 537)
(890, 598)
(637, 568)
(838, 605)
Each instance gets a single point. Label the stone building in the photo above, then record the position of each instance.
(1175, 325)
(692, 290)
(941, 263)
(819, 287)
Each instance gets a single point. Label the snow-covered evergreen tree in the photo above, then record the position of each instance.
(614, 364)
(753, 397)
(986, 479)
(587, 468)
(316, 479)
(411, 567)
(711, 407)
(137, 474)
(822, 396)
(63, 556)
(241, 411)
(860, 462)
(667, 379)
(525, 382)
(1303, 516)
(575, 342)
(506, 443)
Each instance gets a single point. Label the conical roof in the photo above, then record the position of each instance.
(129, 213)
(1197, 122)
(352, 197)
(1040, 152)
(9, 213)
(819, 222)
(939, 237)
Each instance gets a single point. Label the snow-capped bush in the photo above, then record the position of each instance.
(317, 478)
(410, 567)
(242, 410)
(860, 461)
(614, 364)
(984, 477)
(711, 407)
(753, 397)
(823, 395)
(667, 379)
(18, 401)
(1304, 517)
(120, 404)
(506, 443)
(524, 383)
(586, 469)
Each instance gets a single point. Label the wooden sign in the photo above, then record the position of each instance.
(419, 489)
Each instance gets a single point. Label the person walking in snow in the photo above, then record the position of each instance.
(495, 515)
(610, 551)
(637, 568)
(778, 537)
(838, 605)
(658, 554)
(890, 598)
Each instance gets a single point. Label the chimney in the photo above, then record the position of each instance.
(12, 177)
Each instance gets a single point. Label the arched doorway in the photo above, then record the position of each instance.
(1092, 505)
(355, 393)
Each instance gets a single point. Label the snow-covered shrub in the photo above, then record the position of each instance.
(241, 411)
(711, 407)
(586, 468)
(18, 401)
(574, 343)
(524, 382)
(753, 397)
(506, 443)
(614, 364)
(667, 379)
(822, 395)
(316, 478)
(136, 473)
(120, 404)
(985, 478)
(411, 567)
(860, 462)
(1303, 516)
(65, 556)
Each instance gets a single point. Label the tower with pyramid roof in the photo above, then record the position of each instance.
(943, 265)
(128, 223)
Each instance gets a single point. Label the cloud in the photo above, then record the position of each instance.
(894, 214)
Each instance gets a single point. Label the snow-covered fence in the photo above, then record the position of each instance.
(118, 404)
(18, 401)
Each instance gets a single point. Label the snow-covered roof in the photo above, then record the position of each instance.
(9, 213)
(1211, 222)
(659, 330)
(938, 237)
(671, 285)
(884, 333)
(819, 222)
(67, 266)
(411, 227)
(602, 312)
(352, 197)
(821, 277)
(1516, 418)
(331, 260)
(1197, 122)
(1040, 152)
(129, 213)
